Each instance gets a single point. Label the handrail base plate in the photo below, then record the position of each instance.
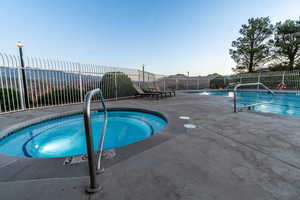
(100, 171)
(90, 190)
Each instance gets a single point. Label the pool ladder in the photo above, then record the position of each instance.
(247, 84)
(94, 186)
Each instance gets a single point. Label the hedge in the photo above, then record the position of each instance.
(9, 99)
(124, 85)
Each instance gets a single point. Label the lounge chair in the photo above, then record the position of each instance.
(157, 89)
(148, 87)
(141, 93)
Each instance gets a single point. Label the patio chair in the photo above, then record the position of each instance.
(148, 87)
(142, 94)
(157, 88)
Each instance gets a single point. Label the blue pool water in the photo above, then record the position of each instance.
(281, 103)
(66, 136)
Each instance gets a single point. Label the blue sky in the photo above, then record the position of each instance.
(168, 36)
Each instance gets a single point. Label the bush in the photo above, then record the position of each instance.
(9, 99)
(218, 83)
(59, 96)
(124, 85)
(278, 67)
(297, 65)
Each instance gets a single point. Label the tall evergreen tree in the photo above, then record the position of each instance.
(252, 48)
(287, 41)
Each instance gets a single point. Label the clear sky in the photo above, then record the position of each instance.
(168, 36)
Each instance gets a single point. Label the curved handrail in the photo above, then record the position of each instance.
(94, 187)
(247, 84)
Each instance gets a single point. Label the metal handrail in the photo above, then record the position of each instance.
(247, 84)
(93, 187)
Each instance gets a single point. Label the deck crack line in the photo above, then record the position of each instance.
(43, 179)
(255, 149)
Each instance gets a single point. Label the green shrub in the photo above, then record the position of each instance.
(278, 67)
(59, 96)
(124, 85)
(9, 99)
(218, 83)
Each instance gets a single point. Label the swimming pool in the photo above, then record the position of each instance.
(66, 136)
(284, 103)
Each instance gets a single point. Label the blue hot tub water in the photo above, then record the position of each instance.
(284, 103)
(66, 136)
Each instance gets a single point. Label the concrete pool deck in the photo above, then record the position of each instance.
(234, 156)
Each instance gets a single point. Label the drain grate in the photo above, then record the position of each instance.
(75, 159)
(107, 155)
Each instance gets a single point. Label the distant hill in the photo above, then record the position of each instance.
(44, 74)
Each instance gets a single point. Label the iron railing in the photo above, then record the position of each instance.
(52, 82)
(272, 80)
(93, 187)
(243, 85)
(184, 83)
(55, 82)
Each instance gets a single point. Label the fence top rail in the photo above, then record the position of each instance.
(260, 74)
(7, 60)
(186, 78)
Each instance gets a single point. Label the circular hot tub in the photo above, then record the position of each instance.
(65, 136)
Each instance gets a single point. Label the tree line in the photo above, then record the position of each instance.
(262, 44)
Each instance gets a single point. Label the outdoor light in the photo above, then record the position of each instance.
(20, 44)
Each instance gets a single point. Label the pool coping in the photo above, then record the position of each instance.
(6, 132)
(173, 128)
(250, 90)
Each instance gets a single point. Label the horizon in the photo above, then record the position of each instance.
(185, 36)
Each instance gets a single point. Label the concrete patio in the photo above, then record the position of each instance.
(234, 156)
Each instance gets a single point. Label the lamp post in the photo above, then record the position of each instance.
(20, 45)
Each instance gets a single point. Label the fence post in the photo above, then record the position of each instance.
(164, 85)
(209, 83)
(21, 89)
(282, 80)
(234, 100)
(143, 73)
(139, 75)
(25, 96)
(80, 83)
(116, 85)
(176, 84)
(258, 80)
(187, 84)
